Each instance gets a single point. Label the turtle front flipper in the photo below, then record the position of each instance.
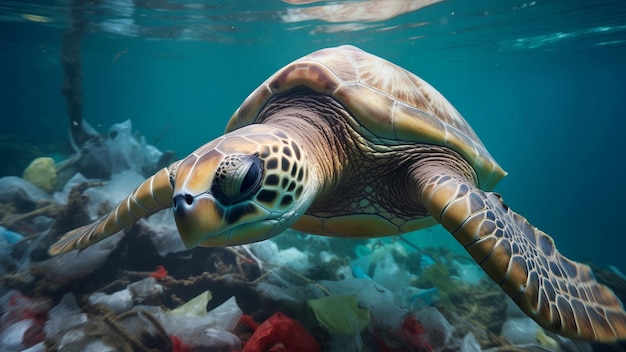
(559, 294)
(152, 195)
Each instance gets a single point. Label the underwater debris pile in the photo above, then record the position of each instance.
(141, 290)
(230, 299)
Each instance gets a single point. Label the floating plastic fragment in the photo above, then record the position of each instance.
(361, 267)
(199, 329)
(468, 272)
(61, 197)
(426, 261)
(438, 331)
(281, 333)
(408, 336)
(127, 152)
(146, 288)
(417, 297)
(9, 236)
(22, 321)
(80, 262)
(412, 333)
(40, 347)
(163, 234)
(226, 315)
(326, 256)
(7, 240)
(14, 188)
(64, 317)
(265, 250)
(194, 307)
(469, 344)
(178, 345)
(17, 307)
(120, 186)
(120, 301)
(42, 173)
(547, 341)
(249, 322)
(522, 330)
(218, 339)
(276, 293)
(13, 336)
(159, 273)
(291, 258)
(340, 314)
(362, 250)
(133, 330)
(359, 273)
(390, 275)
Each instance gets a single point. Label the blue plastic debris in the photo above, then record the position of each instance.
(426, 261)
(422, 297)
(362, 251)
(9, 236)
(359, 273)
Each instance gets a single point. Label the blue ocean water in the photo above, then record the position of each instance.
(541, 82)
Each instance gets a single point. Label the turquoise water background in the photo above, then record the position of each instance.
(541, 82)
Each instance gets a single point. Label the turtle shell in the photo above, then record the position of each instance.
(389, 105)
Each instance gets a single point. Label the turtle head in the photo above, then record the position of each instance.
(246, 186)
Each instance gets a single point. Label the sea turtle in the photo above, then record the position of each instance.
(344, 143)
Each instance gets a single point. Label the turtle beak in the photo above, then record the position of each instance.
(196, 211)
(197, 216)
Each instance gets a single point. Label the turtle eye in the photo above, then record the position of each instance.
(252, 178)
(237, 177)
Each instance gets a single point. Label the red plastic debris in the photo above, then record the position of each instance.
(178, 345)
(411, 333)
(21, 308)
(159, 273)
(34, 334)
(408, 337)
(280, 333)
(249, 322)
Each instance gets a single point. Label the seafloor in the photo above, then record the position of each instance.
(140, 290)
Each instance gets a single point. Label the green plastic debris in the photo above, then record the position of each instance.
(340, 314)
(438, 276)
(195, 307)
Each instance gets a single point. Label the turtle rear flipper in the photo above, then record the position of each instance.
(559, 294)
(152, 195)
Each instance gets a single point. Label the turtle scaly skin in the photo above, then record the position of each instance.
(344, 143)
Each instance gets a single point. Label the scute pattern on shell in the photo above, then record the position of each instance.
(389, 105)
